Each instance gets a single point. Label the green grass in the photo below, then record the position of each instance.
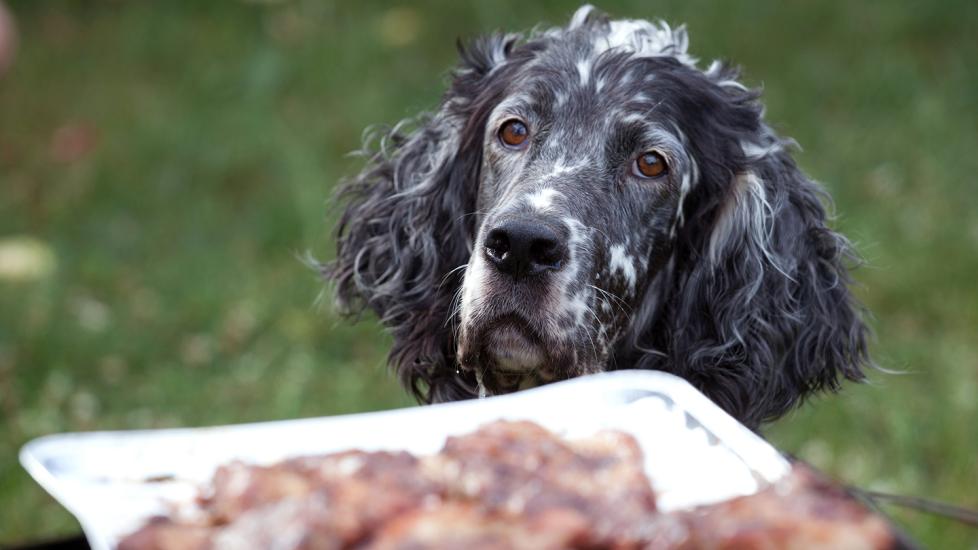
(174, 159)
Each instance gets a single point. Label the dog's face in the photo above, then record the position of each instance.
(583, 171)
(586, 198)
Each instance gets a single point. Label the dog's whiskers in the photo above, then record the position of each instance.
(587, 329)
(449, 274)
(473, 213)
(622, 305)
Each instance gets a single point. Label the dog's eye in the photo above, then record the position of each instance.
(513, 134)
(650, 165)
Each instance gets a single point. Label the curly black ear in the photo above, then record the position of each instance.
(405, 229)
(754, 305)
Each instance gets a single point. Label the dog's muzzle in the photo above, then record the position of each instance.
(507, 342)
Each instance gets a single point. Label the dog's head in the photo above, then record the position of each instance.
(586, 199)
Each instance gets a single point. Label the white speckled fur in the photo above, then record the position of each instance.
(623, 263)
(543, 199)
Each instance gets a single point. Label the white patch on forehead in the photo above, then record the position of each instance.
(543, 199)
(623, 263)
(584, 70)
(560, 166)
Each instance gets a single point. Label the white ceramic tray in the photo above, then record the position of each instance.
(694, 452)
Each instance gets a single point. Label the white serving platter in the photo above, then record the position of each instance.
(695, 453)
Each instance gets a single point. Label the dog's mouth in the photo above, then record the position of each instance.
(508, 354)
(513, 346)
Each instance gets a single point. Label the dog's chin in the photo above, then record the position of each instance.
(511, 349)
(507, 355)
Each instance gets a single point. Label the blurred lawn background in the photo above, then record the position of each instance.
(164, 164)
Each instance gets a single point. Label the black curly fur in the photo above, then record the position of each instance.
(748, 299)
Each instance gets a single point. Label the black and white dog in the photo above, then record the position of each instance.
(588, 199)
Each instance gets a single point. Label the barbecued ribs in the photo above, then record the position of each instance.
(509, 485)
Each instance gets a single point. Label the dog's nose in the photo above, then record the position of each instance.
(521, 248)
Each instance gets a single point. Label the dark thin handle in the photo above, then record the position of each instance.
(964, 515)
